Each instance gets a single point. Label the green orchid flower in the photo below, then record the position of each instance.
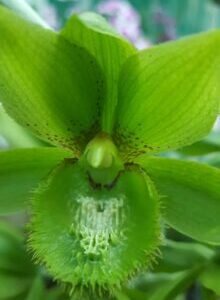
(99, 199)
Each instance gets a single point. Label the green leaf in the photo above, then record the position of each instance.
(200, 148)
(179, 256)
(169, 95)
(20, 172)
(96, 235)
(179, 265)
(210, 278)
(135, 294)
(190, 195)
(48, 84)
(92, 32)
(212, 159)
(208, 145)
(37, 290)
(57, 294)
(16, 268)
(166, 286)
(207, 294)
(12, 285)
(13, 258)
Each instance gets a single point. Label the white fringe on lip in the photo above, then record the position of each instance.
(99, 224)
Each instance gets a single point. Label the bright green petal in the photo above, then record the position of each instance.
(92, 32)
(169, 95)
(190, 195)
(48, 84)
(20, 172)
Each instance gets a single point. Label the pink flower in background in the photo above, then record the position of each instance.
(125, 19)
(49, 14)
(168, 25)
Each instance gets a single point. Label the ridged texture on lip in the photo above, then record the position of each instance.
(94, 237)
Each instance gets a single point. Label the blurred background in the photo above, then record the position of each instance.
(144, 23)
(158, 20)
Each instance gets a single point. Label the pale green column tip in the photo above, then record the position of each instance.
(101, 152)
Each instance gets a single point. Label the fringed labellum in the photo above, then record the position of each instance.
(95, 234)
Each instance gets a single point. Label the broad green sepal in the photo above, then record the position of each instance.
(94, 236)
(92, 32)
(48, 84)
(20, 173)
(169, 95)
(190, 195)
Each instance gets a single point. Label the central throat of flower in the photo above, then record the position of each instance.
(102, 159)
